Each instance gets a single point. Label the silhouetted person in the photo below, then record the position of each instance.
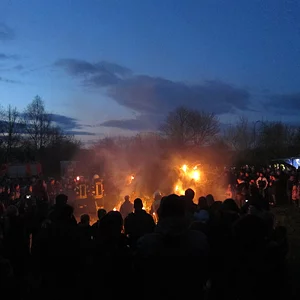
(84, 231)
(95, 227)
(210, 200)
(138, 223)
(39, 191)
(61, 201)
(111, 254)
(202, 203)
(126, 207)
(101, 213)
(55, 250)
(230, 205)
(84, 228)
(172, 247)
(190, 206)
(251, 248)
(15, 241)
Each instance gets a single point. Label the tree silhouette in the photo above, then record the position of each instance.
(10, 130)
(37, 123)
(240, 136)
(188, 127)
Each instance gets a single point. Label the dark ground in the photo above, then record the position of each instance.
(290, 218)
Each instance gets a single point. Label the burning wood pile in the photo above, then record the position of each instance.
(188, 177)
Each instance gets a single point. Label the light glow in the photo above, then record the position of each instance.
(188, 175)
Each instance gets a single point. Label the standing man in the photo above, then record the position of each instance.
(262, 184)
(126, 207)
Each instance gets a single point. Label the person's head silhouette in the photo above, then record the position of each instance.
(138, 205)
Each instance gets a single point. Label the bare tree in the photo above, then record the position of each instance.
(190, 127)
(10, 130)
(2, 126)
(241, 136)
(205, 127)
(276, 138)
(37, 123)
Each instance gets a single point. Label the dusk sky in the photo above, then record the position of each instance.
(107, 67)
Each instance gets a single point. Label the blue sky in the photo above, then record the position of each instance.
(116, 67)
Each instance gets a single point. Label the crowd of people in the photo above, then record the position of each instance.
(229, 249)
(276, 186)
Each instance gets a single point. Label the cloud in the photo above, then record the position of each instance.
(76, 67)
(20, 129)
(19, 67)
(102, 80)
(94, 74)
(6, 80)
(66, 123)
(145, 94)
(287, 104)
(4, 56)
(70, 126)
(6, 33)
(77, 132)
(140, 123)
(151, 98)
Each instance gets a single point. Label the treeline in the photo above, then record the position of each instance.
(198, 135)
(249, 142)
(32, 135)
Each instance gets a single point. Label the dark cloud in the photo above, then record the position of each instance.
(76, 67)
(140, 123)
(288, 104)
(153, 97)
(4, 56)
(102, 80)
(76, 132)
(70, 126)
(66, 123)
(6, 33)
(19, 67)
(19, 126)
(146, 94)
(6, 80)
(114, 68)
(99, 74)
(21, 130)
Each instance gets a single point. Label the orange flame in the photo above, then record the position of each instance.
(187, 174)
